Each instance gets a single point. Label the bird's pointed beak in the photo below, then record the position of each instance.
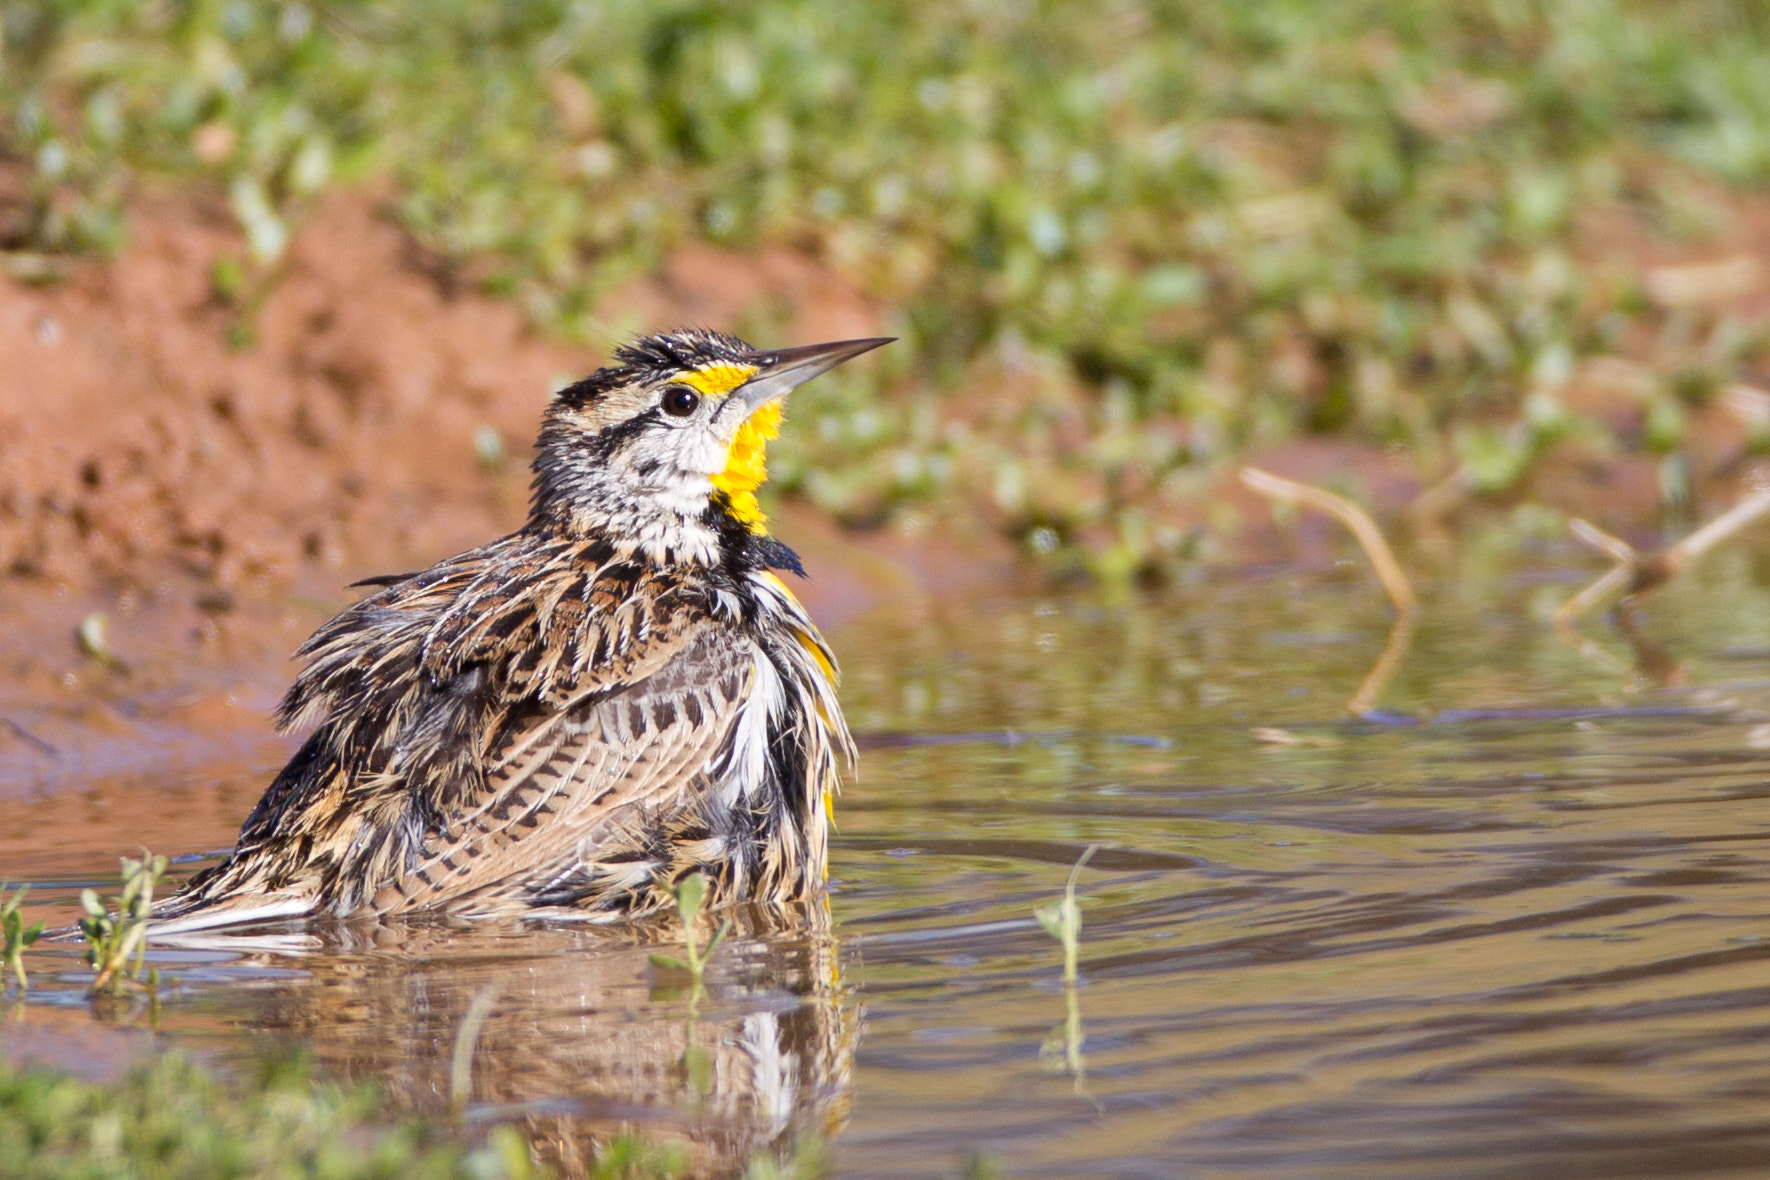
(780, 372)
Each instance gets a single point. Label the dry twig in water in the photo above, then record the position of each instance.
(1636, 572)
(1401, 635)
(1369, 537)
(1383, 563)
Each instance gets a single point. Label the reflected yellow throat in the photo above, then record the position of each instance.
(746, 464)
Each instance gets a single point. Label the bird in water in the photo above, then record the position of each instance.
(569, 721)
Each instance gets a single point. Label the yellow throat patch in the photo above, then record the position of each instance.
(746, 464)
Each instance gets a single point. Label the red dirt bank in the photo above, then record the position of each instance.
(138, 451)
(134, 445)
(214, 502)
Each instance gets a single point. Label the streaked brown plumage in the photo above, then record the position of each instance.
(572, 718)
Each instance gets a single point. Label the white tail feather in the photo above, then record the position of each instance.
(232, 915)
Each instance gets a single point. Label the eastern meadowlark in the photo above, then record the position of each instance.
(570, 720)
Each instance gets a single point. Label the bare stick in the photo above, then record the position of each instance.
(1383, 563)
(1438, 500)
(1370, 539)
(1677, 559)
(1589, 649)
(1615, 582)
(1619, 550)
(1636, 572)
(1377, 679)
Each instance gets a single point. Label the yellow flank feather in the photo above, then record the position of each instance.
(817, 652)
(746, 467)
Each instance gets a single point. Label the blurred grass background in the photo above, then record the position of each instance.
(1127, 242)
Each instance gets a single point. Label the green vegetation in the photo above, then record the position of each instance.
(1126, 241)
(689, 895)
(113, 939)
(17, 936)
(176, 1120)
(697, 1062)
(1062, 919)
(810, 1160)
(93, 638)
(173, 1118)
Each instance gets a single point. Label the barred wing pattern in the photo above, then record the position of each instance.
(577, 803)
(544, 725)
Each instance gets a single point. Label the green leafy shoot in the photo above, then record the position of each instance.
(631, 1156)
(93, 638)
(18, 936)
(113, 939)
(689, 896)
(810, 1159)
(1062, 920)
(697, 1062)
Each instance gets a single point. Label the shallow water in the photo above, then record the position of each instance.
(1521, 927)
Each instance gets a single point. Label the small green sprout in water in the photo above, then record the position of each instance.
(1062, 920)
(979, 1167)
(18, 936)
(689, 896)
(808, 1160)
(112, 939)
(697, 1062)
(94, 638)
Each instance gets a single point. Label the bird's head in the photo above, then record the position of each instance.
(668, 445)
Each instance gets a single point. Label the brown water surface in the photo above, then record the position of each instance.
(1520, 927)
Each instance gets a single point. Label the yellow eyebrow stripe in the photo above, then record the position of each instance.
(718, 378)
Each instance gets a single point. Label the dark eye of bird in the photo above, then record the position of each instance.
(680, 400)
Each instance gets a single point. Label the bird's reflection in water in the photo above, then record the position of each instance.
(584, 1036)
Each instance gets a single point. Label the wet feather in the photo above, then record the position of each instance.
(576, 716)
